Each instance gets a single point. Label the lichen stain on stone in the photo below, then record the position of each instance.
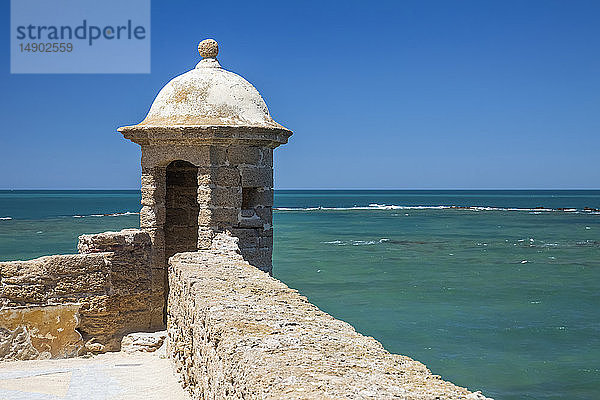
(183, 93)
(209, 96)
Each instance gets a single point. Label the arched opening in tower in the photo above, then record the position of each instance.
(181, 223)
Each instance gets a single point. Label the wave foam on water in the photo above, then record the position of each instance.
(375, 206)
(107, 215)
(356, 242)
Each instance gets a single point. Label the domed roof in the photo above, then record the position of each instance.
(208, 96)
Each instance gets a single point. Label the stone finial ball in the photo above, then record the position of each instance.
(208, 48)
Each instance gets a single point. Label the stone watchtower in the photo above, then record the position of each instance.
(207, 163)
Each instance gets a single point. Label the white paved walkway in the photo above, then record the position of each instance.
(110, 376)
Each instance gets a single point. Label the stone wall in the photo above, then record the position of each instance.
(237, 333)
(111, 280)
(234, 194)
(139, 286)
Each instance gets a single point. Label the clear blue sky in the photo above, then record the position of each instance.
(399, 94)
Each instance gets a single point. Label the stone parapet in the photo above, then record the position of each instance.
(132, 271)
(237, 333)
(127, 240)
(113, 284)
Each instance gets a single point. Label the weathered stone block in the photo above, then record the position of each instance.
(157, 257)
(125, 279)
(243, 233)
(219, 196)
(152, 156)
(198, 155)
(220, 176)
(16, 294)
(150, 217)
(244, 155)
(264, 197)
(266, 241)
(249, 241)
(204, 196)
(204, 177)
(264, 213)
(217, 155)
(157, 237)
(212, 216)
(205, 217)
(251, 222)
(148, 196)
(258, 257)
(257, 176)
(267, 156)
(158, 280)
(205, 236)
(153, 189)
(93, 282)
(245, 213)
(145, 342)
(157, 317)
(125, 240)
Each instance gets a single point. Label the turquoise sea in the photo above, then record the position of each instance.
(502, 296)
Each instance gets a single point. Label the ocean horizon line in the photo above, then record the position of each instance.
(313, 189)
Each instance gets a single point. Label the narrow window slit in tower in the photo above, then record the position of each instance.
(249, 198)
